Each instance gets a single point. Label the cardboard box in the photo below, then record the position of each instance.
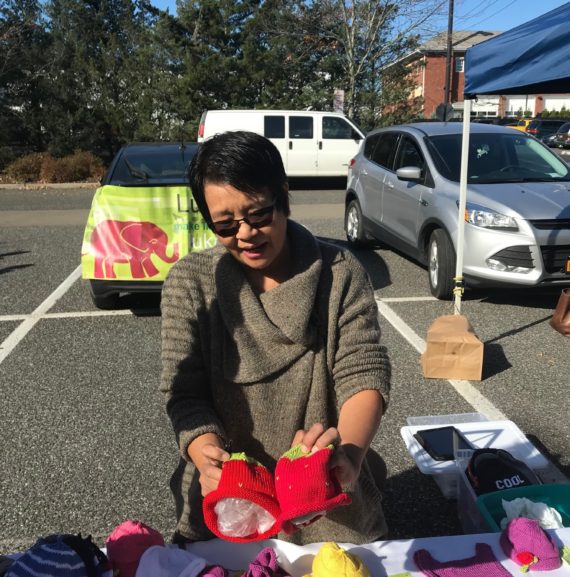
(453, 350)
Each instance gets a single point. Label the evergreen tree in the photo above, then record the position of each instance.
(22, 67)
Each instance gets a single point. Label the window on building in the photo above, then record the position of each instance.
(460, 64)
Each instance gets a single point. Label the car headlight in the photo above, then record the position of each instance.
(488, 219)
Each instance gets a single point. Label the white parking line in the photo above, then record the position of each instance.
(479, 402)
(28, 324)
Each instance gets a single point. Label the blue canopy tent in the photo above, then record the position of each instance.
(532, 58)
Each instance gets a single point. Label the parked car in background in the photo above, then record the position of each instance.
(541, 128)
(142, 220)
(403, 191)
(562, 137)
(549, 140)
(521, 124)
(311, 143)
(506, 121)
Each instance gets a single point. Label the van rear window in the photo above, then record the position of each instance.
(274, 126)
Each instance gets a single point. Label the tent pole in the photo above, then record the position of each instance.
(458, 290)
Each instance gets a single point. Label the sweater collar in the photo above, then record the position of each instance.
(266, 334)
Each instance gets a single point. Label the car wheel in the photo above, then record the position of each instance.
(354, 226)
(441, 265)
(103, 300)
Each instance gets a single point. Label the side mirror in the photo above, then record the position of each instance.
(409, 173)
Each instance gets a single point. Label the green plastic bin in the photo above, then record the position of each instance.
(556, 496)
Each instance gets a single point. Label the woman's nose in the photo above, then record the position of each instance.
(245, 231)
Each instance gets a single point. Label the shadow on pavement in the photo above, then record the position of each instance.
(415, 507)
(370, 259)
(494, 360)
(552, 457)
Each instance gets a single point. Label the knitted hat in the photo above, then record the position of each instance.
(243, 508)
(265, 565)
(529, 545)
(306, 487)
(333, 561)
(159, 561)
(126, 544)
(61, 556)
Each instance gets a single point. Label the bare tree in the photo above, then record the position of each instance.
(369, 33)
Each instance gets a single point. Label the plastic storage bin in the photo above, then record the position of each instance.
(481, 433)
(556, 496)
(468, 509)
(444, 473)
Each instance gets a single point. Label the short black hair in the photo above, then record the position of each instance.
(245, 160)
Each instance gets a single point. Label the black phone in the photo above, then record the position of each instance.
(441, 443)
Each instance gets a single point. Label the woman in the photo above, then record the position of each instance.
(269, 340)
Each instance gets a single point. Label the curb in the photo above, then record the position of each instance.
(46, 185)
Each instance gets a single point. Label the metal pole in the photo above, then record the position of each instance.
(447, 88)
(458, 290)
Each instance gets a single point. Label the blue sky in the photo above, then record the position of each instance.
(471, 14)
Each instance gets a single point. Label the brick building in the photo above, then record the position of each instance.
(427, 68)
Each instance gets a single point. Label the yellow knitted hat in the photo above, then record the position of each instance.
(333, 561)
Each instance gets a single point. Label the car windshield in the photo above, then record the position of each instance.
(153, 164)
(497, 157)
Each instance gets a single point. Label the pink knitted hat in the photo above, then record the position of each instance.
(529, 545)
(127, 543)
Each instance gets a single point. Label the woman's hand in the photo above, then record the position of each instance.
(209, 464)
(316, 438)
(345, 462)
(344, 467)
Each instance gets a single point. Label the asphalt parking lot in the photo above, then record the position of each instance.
(85, 440)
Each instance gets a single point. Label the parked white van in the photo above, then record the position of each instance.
(311, 143)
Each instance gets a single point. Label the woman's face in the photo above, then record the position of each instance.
(257, 248)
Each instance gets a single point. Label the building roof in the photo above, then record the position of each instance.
(461, 40)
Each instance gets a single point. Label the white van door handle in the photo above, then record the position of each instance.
(290, 145)
(320, 144)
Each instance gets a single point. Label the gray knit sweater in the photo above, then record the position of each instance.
(254, 369)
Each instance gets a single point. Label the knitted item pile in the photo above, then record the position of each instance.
(483, 563)
(529, 545)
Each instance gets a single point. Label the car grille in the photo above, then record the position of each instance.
(515, 256)
(555, 258)
(552, 224)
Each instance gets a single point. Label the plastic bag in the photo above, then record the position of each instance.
(240, 518)
(547, 517)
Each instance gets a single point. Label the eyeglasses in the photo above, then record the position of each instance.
(255, 219)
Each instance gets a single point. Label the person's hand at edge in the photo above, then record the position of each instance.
(208, 454)
(316, 438)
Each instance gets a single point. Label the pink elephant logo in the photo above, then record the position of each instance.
(115, 241)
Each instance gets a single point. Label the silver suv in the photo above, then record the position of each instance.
(403, 191)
